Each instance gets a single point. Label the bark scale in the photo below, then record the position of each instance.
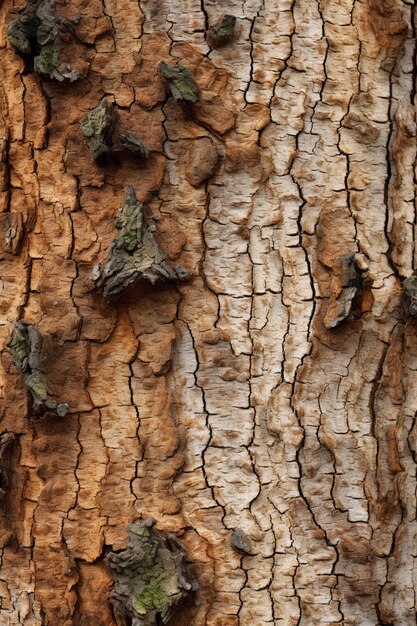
(223, 402)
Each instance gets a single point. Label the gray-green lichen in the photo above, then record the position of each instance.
(410, 289)
(100, 126)
(350, 282)
(134, 255)
(25, 345)
(223, 32)
(36, 32)
(181, 82)
(152, 576)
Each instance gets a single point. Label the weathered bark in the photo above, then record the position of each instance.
(279, 444)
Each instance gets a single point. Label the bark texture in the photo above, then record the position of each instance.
(278, 446)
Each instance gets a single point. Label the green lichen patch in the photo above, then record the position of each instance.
(100, 126)
(181, 82)
(37, 385)
(223, 32)
(19, 346)
(36, 32)
(26, 346)
(47, 60)
(152, 598)
(152, 576)
(134, 255)
(129, 222)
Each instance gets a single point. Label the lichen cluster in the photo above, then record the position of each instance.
(36, 32)
(181, 82)
(25, 346)
(223, 32)
(100, 126)
(151, 575)
(134, 255)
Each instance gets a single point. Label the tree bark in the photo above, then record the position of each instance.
(260, 397)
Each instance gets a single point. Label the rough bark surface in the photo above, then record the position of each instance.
(222, 407)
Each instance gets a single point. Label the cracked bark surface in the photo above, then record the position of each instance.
(221, 405)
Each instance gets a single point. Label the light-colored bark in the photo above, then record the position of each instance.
(223, 402)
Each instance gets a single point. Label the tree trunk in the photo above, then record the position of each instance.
(262, 410)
